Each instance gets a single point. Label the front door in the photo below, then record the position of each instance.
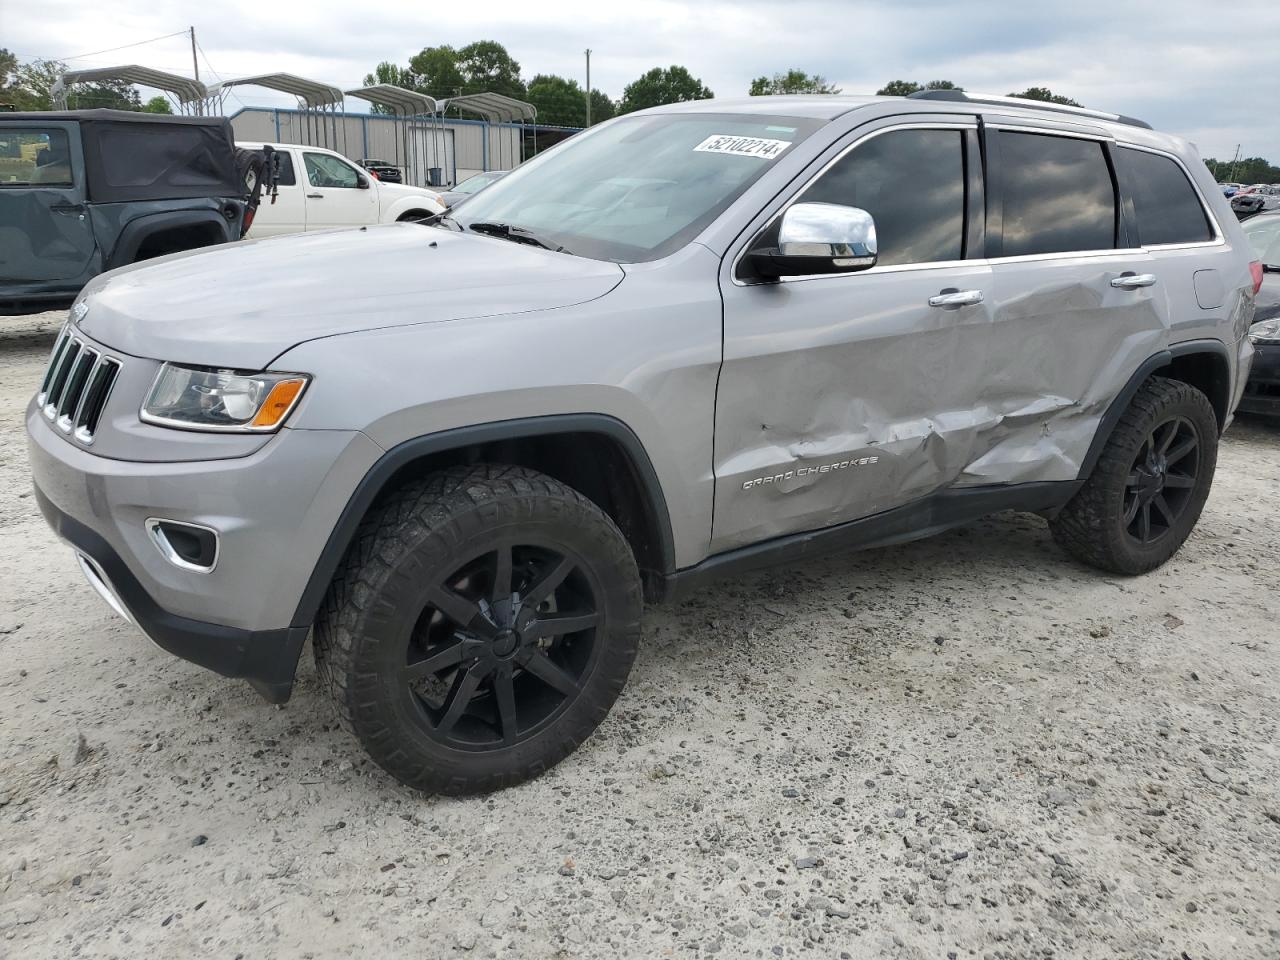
(46, 233)
(337, 194)
(844, 396)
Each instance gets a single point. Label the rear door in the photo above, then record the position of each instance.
(337, 194)
(1078, 304)
(45, 229)
(841, 396)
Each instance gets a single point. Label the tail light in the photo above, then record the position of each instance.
(252, 212)
(374, 174)
(1255, 271)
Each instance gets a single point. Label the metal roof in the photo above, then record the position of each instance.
(493, 106)
(186, 89)
(404, 102)
(311, 92)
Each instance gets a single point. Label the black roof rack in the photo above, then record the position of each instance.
(959, 96)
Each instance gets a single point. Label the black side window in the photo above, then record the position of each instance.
(1058, 195)
(1166, 204)
(912, 184)
(287, 177)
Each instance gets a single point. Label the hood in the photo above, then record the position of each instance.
(243, 304)
(392, 192)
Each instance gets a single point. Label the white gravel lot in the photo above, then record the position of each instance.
(963, 747)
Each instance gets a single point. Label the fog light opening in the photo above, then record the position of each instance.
(190, 546)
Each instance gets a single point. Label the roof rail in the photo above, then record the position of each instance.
(959, 96)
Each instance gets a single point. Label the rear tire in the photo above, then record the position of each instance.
(1146, 491)
(485, 622)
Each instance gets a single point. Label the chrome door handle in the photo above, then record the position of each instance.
(956, 298)
(1129, 281)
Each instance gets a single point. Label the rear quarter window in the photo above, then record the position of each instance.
(1165, 203)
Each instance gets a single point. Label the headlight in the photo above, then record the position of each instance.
(202, 398)
(1266, 331)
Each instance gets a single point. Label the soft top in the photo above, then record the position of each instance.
(114, 116)
(140, 156)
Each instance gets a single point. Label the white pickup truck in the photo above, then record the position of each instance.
(319, 189)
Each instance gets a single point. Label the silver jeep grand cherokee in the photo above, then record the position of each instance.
(688, 342)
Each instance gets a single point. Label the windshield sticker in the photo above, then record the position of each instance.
(742, 146)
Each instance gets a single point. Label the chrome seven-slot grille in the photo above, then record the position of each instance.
(76, 385)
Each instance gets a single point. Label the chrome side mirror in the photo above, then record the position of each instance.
(818, 238)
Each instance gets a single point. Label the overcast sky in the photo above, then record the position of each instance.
(1208, 72)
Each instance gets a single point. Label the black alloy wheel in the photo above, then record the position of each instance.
(1161, 480)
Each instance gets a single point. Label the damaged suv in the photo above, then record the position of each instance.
(690, 341)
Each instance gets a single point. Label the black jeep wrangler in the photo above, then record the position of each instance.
(86, 191)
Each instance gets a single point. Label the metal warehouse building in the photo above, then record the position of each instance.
(458, 147)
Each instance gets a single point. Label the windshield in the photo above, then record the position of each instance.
(637, 188)
(1263, 234)
(477, 183)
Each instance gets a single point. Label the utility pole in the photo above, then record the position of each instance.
(1234, 161)
(195, 65)
(588, 87)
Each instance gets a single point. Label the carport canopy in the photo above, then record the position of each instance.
(313, 93)
(184, 88)
(405, 103)
(494, 107)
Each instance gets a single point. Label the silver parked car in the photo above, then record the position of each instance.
(691, 341)
(470, 186)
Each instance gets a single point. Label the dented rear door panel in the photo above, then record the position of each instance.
(1064, 343)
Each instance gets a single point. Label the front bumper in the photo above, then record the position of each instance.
(1262, 390)
(273, 510)
(265, 658)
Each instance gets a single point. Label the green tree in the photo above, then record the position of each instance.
(1245, 170)
(560, 102)
(157, 105)
(661, 85)
(904, 88)
(434, 71)
(793, 81)
(1045, 95)
(487, 67)
(602, 108)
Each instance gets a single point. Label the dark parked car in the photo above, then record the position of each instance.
(1262, 391)
(386, 172)
(471, 186)
(86, 191)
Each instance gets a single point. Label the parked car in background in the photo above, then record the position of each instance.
(319, 189)
(471, 186)
(85, 191)
(1255, 199)
(688, 342)
(386, 172)
(1262, 391)
(1230, 189)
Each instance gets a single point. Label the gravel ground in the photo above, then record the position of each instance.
(966, 746)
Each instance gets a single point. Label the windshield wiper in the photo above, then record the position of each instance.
(507, 231)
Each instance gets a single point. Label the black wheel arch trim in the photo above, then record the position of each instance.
(404, 453)
(136, 231)
(1120, 403)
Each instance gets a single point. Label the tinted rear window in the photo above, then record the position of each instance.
(1167, 207)
(1058, 195)
(912, 184)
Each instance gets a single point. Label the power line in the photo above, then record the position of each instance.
(96, 53)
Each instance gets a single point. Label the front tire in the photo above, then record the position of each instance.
(1146, 491)
(484, 624)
